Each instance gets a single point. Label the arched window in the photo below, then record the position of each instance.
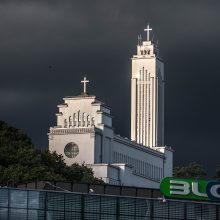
(145, 169)
(153, 172)
(65, 123)
(74, 119)
(140, 167)
(88, 120)
(79, 119)
(93, 121)
(70, 121)
(84, 119)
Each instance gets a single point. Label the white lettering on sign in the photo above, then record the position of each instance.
(214, 191)
(195, 190)
(179, 187)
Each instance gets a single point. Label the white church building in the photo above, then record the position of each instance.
(84, 132)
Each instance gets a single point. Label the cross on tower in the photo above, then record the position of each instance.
(84, 81)
(148, 29)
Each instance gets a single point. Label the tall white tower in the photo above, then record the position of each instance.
(147, 94)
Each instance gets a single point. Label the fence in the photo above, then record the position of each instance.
(18, 204)
(96, 188)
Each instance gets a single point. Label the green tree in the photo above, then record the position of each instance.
(193, 170)
(78, 173)
(21, 162)
(11, 140)
(217, 173)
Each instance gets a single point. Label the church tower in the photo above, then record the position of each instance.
(84, 133)
(147, 94)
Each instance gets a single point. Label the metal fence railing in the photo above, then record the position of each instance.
(22, 204)
(96, 188)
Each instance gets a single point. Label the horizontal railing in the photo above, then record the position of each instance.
(17, 204)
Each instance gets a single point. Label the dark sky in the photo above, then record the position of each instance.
(98, 38)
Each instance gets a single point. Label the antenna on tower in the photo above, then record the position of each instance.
(139, 39)
(153, 38)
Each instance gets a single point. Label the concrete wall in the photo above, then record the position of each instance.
(121, 174)
(84, 141)
(168, 161)
(115, 159)
(146, 162)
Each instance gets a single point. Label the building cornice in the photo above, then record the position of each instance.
(137, 146)
(63, 105)
(104, 113)
(151, 179)
(166, 148)
(63, 131)
(79, 97)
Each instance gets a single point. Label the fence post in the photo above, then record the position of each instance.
(185, 210)
(9, 202)
(45, 206)
(117, 208)
(64, 204)
(135, 208)
(82, 206)
(100, 207)
(152, 209)
(168, 207)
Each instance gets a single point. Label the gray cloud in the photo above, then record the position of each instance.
(98, 38)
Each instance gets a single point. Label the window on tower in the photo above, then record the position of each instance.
(70, 121)
(88, 120)
(71, 150)
(74, 119)
(65, 123)
(93, 121)
(84, 119)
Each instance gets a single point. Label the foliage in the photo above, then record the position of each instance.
(82, 173)
(193, 170)
(21, 162)
(217, 173)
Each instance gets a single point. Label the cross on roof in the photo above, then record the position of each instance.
(148, 29)
(84, 81)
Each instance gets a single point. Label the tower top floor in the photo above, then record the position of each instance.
(146, 48)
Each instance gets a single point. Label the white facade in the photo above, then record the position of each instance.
(84, 132)
(85, 124)
(147, 95)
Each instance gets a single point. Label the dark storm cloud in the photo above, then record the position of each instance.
(47, 46)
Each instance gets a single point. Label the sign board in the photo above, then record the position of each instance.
(190, 189)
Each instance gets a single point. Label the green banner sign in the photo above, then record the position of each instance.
(184, 188)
